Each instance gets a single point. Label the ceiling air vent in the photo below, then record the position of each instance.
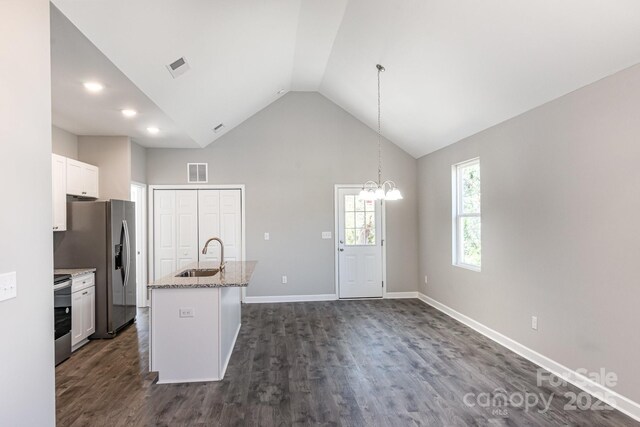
(218, 128)
(178, 67)
(197, 173)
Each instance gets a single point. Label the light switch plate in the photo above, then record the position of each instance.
(326, 234)
(534, 323)
(8, 286)
(266, 236)
(284, 279)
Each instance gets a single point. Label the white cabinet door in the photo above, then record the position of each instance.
(77, 316)
(82, 179)
(75, 182)
(88, 311)
(90, 180)
(59, 191)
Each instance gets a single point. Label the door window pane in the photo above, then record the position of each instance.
(359, 221)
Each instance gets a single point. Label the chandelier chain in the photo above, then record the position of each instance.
(379, 136)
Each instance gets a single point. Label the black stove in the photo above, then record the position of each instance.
(59, 278)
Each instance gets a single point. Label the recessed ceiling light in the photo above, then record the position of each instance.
(128, 112)
(153, 130)
(93, 87)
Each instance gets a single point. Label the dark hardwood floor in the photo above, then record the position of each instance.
(351, 363)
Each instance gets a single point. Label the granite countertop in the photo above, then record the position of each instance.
(235, 274)
(74, 272)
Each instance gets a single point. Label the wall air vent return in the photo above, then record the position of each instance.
(218, 128)
(178, 67)
(197, 173)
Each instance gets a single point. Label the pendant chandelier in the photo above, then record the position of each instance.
(378, 190)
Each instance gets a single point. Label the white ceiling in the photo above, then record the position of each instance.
(454, 68)
(74, 60)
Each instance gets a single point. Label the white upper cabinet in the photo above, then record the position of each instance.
(59, 191)
(82, 179)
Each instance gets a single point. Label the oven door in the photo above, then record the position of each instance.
(62, 309)
(62, 322)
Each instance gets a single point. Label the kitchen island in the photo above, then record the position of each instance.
(195, 320)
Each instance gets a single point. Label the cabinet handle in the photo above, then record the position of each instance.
(55, 228)
(84, 192)
(86, 292)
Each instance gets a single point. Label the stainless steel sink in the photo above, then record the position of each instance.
(199, 272)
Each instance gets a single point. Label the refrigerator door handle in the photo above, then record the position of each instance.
(128, 245)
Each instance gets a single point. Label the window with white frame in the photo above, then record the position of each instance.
(467, 244)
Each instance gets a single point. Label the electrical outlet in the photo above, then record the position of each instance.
(425, 279)
(266, 236)
(284, 279)
(326, 234)
(187, 312)
(534, 323)
(8, 286)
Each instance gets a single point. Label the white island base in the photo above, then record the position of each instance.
(193, 331)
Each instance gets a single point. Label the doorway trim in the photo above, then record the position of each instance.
(336, 241)
(153, 188)
(143, 250)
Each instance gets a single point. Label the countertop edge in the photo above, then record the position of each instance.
(238, 274)
(74, 272)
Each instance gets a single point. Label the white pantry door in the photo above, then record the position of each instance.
(220, 215)
(359, 245)
(187, 227)
(164, 232)
(175, 231)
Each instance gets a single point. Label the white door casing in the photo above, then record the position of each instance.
(139, 196)
(359, 245)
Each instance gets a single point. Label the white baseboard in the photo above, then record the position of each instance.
(401, 295)
(610, 397)
(290, 298)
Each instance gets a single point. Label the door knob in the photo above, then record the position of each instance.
(341, 250)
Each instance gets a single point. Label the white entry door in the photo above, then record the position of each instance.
(359, 245)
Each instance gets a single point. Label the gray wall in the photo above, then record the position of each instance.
(289, 156)
(112, 154)
(64, 143)
(138, 163)
(560, 188)
(27, 391)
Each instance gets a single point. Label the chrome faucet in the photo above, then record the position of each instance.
(204, 250)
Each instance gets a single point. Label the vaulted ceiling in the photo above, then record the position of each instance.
(454, 68)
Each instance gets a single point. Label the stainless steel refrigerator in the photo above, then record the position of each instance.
(101, 234)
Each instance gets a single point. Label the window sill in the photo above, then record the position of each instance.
(468, 267)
